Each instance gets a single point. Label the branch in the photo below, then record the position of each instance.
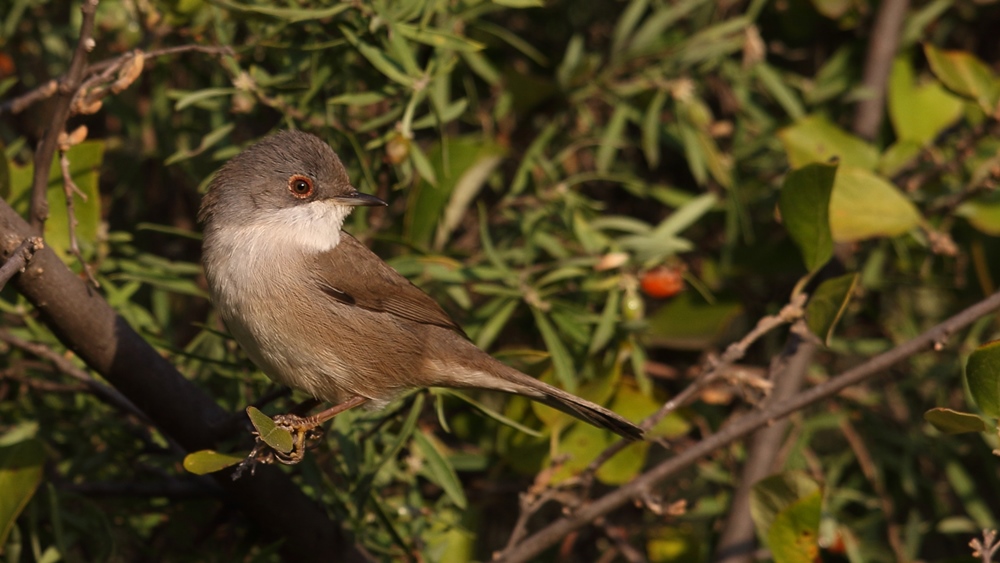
(19, 258)
(736, 543)
(86, 324)
(108, 394)
(933, 338)
(47, 90)
(60, 114)
(716, 370)
(881, 50)
(69, 189)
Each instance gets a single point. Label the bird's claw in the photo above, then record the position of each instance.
(305, 436)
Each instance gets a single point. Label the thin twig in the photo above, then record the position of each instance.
(716, 369)
(170, 488)
(66, 92)
(868, 469)
(70, 188)
(20, 258)
(619, 537)
(933, 338)
(50, 88)
(106, 393)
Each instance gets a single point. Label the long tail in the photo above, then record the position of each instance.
(570, 404)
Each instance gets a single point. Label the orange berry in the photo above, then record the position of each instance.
(662, 282)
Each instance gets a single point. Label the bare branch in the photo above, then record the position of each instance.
(716, 369)
(882, 44)
(69, 189)
(49, 89)
(736, 543)
(19, 258)
(533, 545)
(108, 394)
(66, 92)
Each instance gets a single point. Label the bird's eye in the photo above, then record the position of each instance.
(300, 186)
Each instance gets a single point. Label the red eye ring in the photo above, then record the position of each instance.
(300, 186)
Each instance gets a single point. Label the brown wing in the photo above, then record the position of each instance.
(354, 275)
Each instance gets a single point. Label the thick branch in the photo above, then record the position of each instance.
(86, 324)
(936, 336)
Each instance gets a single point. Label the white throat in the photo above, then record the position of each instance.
(314, 227)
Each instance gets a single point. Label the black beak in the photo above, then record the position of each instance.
(358, 199)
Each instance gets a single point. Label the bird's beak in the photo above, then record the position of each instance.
(358, 199)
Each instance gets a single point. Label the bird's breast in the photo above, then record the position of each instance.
(258, 286)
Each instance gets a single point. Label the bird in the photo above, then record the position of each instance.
(318, 311)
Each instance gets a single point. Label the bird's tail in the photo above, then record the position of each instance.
(570, 404)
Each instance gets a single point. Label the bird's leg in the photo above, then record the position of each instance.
(305, 429)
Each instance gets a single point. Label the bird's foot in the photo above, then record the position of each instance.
(305, 433)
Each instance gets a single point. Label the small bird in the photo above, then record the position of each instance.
(318, 311)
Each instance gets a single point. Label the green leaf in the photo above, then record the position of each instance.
(686, 215)
(437, 38)
(786, 511)
(390, 69)
(608, 323)
(520, 3)
(898, 156)
(562, 361)
(424, 167)
(625, 26)
(278, 438)
(815, 139)
(492, 413)
(207, 142)
(581, 444)
(209, 461)
(442, 470)
(459, 169)
(983, 374)
(687, 324)
(613, 138)
(20, 474)
(694, 118)
(864, 205)
(827, 305)
(805, 210)
(651, 127)
(290, 15)
(954, 422)
(200, 95)
(964, 74)
(936, 108)
(983, 214)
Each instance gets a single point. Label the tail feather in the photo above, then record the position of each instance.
(570, 404)
(588, 412)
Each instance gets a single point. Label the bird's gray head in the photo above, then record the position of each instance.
(291, 185)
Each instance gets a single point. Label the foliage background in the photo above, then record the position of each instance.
(540, 161)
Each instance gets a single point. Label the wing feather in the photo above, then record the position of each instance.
(354, 275)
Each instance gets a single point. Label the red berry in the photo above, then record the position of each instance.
(662, 282)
